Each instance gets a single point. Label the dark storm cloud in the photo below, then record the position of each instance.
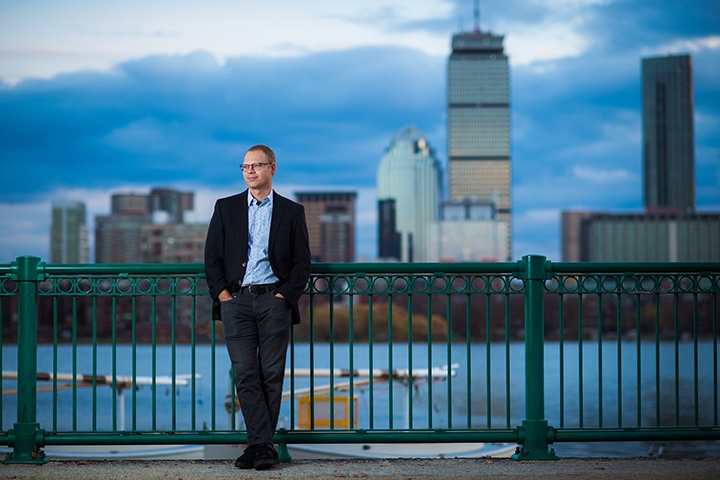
(165, 119)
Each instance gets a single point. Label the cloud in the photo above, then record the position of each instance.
(181, 114)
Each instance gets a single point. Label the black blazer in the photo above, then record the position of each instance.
(226, 248)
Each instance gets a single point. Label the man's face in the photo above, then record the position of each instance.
(259, 177)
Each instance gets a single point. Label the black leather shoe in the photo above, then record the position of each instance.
(247, 459)
(266, 457)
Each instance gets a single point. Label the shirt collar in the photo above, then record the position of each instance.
(250, 198)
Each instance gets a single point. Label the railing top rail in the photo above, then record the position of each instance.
(633, 267)
(386, 268)
(438, 268)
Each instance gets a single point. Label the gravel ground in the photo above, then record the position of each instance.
(458, 468)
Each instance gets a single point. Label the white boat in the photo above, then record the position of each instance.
(120, 384)
(400, 450)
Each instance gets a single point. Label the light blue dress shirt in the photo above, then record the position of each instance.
(258, 270)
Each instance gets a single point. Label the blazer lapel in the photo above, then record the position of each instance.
(242, 212)
(277, 214)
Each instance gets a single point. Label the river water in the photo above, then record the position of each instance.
(477, 396)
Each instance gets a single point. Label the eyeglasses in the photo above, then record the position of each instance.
(252, 166)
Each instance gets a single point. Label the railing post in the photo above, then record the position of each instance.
(534, 431)
(23, 436)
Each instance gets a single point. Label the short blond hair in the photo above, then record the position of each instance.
(269, 154)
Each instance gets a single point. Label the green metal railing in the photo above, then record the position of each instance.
(529, 353)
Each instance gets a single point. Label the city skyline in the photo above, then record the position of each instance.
(180, 114)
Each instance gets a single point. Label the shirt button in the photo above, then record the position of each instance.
(244, 264)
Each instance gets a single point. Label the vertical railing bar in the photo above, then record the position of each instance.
(714, 322)
(73, 301)
(488, 366)
(507, 365)
(113, 360)
(581, 386)
(332, 355)
(561, 322)
(94, 363)
(657, 359)
(638, 350)
(193, 355)
(312, 361)
(619, 356)
(134, 361)
(292, 380)
(469, 363)
(410, 378)
(56, 328)
(600, 355)
(153, 361)
(676, 341)
(448, 350)
(371, 364)
(213, 376)
(430, 360)
(696, 364)
(173, 359)
(391, 400)
(351, 359)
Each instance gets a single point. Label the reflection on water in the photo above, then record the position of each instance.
(478, 396)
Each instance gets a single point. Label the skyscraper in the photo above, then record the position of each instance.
(669, 230)
(118, 235)
(409, 173)
(388, 236)
(68, 233)
(478, 96)
(668, 136)
(330, 219)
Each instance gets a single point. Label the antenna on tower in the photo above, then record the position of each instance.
(476, 15)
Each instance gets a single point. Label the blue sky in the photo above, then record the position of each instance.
(102, 97)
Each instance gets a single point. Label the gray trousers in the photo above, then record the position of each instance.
(257, 332)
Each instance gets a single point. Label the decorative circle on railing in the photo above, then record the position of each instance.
(380, 285)
(46, 286)
(589, 284)
(609, 284)
(164, 285)
(705, 284)
(184, 285)
(360, 285)
(85, 285)
(478, 284)
(647, 284)
(143, 285)
(400, 285)
(628, 283)
(552, 284)
(340, 285)
(319, 285)
(8, 286)
(104, 285)
(124, 285)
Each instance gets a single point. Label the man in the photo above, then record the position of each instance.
(257, 264)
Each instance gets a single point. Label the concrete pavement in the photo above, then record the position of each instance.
(384, 469)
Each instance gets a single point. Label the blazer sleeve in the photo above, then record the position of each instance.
(215, 254)
(300, 259)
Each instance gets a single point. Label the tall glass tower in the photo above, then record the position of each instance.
(69, 233)
(478, 96)
(668, 135)
(409, 173)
